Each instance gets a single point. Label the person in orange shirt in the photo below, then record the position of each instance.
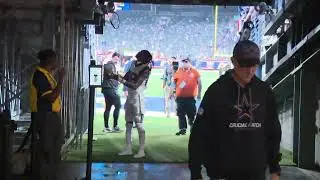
(188, 87)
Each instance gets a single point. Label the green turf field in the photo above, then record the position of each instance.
(162, 145)
(155, 83)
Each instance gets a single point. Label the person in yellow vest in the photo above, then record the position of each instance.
(45, 102)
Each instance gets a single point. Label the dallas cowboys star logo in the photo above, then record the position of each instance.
(245, 109)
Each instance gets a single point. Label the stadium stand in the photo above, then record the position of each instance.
(187, 34)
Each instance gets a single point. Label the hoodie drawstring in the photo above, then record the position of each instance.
(239, 94)
(250, 96)
(238, 102)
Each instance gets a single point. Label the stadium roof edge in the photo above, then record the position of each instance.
(201, 2)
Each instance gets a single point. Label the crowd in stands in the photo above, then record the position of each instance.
(188, 36)
(227, 33)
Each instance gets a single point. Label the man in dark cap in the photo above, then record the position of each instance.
(237, 134)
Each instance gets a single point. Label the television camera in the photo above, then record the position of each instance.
(175, 66)
(102, 9)
(246, 30)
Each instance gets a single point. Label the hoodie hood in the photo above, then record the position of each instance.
(229, 78)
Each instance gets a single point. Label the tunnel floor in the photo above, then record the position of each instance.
(139, 171)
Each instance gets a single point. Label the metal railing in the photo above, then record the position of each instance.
(10, 65)
(82, 116)
(74, 95)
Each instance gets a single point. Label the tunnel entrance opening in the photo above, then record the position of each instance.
(205, 34)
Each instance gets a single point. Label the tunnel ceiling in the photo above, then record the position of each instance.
(31, 3)
(39, 3)
(201, 2)
(82, 9)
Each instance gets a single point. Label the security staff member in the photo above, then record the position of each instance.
(45, 104)
(188, 87)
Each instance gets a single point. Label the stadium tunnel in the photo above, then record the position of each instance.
(290, 65)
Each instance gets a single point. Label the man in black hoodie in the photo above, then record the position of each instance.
(237, 134)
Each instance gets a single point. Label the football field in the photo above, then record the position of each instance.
(162, 145)
(155, 83)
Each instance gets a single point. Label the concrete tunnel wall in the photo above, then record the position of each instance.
(317, 123)
(286, 120)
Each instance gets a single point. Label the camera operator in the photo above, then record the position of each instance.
(136, 80)
(111, 96)
(168, 85)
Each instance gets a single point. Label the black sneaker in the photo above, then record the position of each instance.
(181, 132)
(116, 129)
